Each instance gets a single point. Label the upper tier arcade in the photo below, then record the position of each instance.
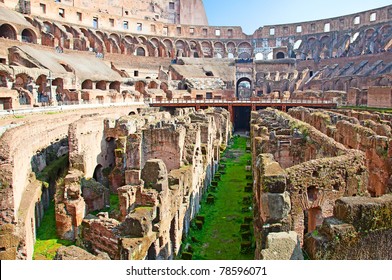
(180, 29)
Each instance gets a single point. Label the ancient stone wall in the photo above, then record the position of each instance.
(360, 229)
(361, 131)
(318, 171)
(158, 195)
(20, 191)
(379, 97)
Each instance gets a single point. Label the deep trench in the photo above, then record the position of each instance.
(223, 229)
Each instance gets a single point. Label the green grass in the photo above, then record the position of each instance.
(220, 237)
(47, 241)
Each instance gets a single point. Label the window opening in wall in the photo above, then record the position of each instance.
(95, 22)
(341, 23)
(136, 73)
(191, 31)
(357, 20)
(299, 29)
(126, 13)
(310, 73)
(111, 22)
(125, 25)
(61, 12)
(139, 27)
(208, 95)
(79, 16)
(313, 27)
(272, 31)
(165, 31)
(205, 31)
(178, 30)
(43, 8)
(373, 17)
(217, 32)
(230, 32)
(171, 5)
(327, 27)
(153, 28)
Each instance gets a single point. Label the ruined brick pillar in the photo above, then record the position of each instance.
(70, 206)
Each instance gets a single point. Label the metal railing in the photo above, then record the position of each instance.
(239, 101)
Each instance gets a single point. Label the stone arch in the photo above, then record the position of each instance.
(207, 49)
(180, 48)
(194, 49)
(168, 48)
(142, 40)
(339, 85)
(47, 27)
(101, 85)
(127, 45)
(41, 82)
(155, 44)
(242, 90)
(115, 37)
(101, 35)
(140, 86)
(219, 50)
(231, 49)
(140, 51)
(354, 83)
(280, 55)
(115, 86)
(153, 85)
(245, 50)
(87, 84)
(21, 80)
(29, 36)
(8, 31)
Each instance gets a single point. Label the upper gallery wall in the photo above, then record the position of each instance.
(163, 23)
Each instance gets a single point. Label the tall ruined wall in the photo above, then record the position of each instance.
(158, 195)
(299, 197)
(361, 131)
(20, 192)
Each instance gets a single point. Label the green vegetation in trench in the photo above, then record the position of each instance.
(47, 241)
(226, 225)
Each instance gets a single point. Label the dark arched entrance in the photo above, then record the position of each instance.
(7, 31)
(244, 88)
(280, 55)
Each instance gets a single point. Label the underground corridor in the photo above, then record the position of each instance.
(223, 229)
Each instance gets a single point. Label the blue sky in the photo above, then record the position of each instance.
(252, 14)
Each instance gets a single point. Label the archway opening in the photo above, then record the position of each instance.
(87, 84)
(101, 85)
(244, 88)
(140, 52)
(98, 176)
(29, 36)
(280, 55)
(7, 31)
(242, 118)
